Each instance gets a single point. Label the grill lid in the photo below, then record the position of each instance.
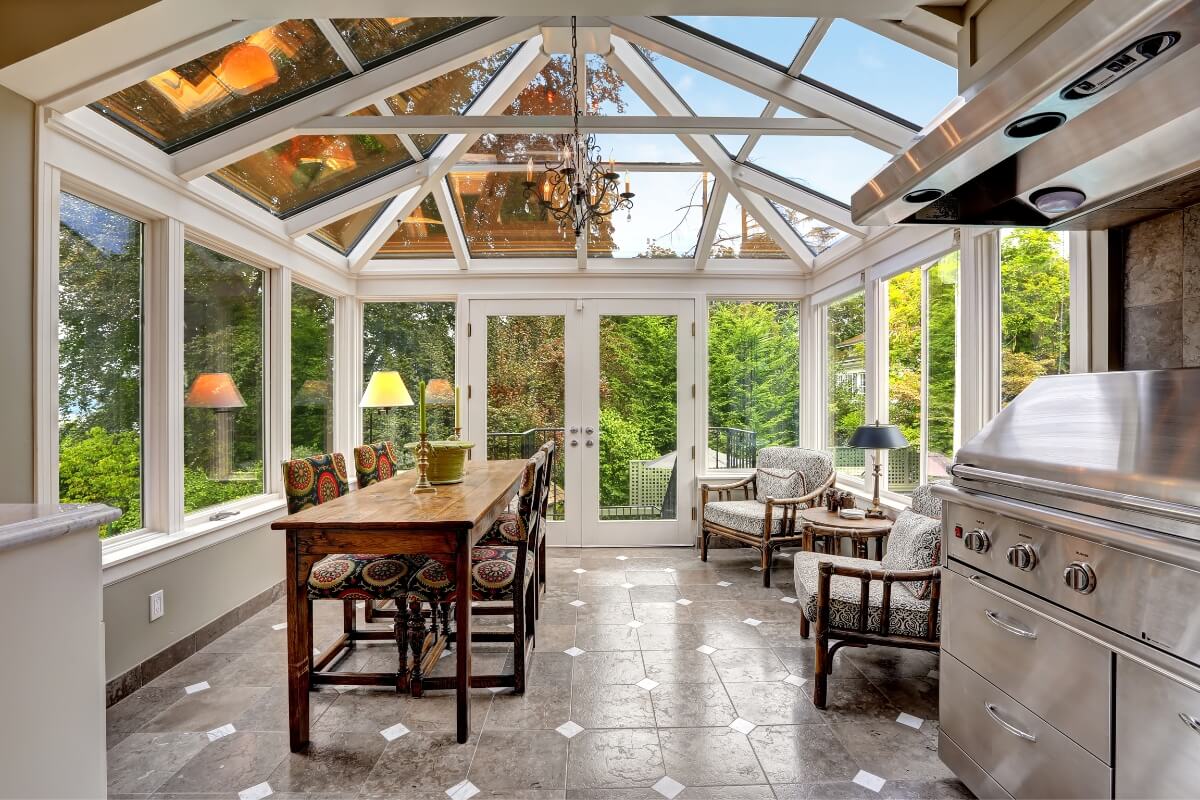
(1127, 440)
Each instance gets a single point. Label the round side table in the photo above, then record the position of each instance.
(822, 524)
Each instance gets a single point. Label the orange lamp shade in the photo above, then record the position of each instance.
(214, 390)
(386, 389)
(439, 392)
(246, 68)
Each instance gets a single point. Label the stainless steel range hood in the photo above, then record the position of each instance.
(1120, 78)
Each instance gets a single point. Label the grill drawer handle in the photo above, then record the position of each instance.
(1190, 721)
(995, 619)
(991, 710)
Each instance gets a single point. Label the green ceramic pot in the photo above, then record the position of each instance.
(447, 460)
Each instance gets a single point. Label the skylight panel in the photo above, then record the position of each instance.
(776, 39)
(739, 235)
(343, 234)
(835, 166)
(451, 93)
(816, 235)
(665, 220)
(499, 222)
(305, 170)
(182, 105)
(379, 39)
(422, 235)
(882, 72)
(705, 95)
(549, 93)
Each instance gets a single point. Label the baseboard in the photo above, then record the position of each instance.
(130, 681)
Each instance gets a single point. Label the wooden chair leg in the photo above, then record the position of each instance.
(445, 623)
(820, 670)
(400, 631)
(519, 606)
(703, 543)
(803, 625)
(416, 643)
(369, 611)
(767, 554)
(349, 621)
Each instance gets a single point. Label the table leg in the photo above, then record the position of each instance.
(299, 627)
(879, 548)
(462, 620)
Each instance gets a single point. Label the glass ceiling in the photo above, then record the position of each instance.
(287, 61)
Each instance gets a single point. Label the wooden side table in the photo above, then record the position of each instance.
(822, 524)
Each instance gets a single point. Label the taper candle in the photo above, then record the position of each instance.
(457, 407)
(421, 406)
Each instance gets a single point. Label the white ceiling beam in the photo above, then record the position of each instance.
(330, 32)
(378, 231)
(455, 123)
(454, 229)
(98, 87)
(662, 99)
(814, 205)
(496, 96)
(712, 221)
(803, 97)
(352, 94)
(915, 39)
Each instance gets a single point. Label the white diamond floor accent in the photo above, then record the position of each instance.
(579, 570)
(708, 651)
(197, 687)
(635, 624)
(394, 732)
(570, 729)
(574, 651)
(577, 603)
(724, 583)
(256, 792)
(742, 725)
(669, 569)
(622, 558)
(783, 555)
(626, 585)
(462, 791)
(683, 601)
(756, 569)
(221, 732)
(908, 719)
(279, 626)
(790, 600)
(794, 680)
(869, 780)
(647, 684)
(668, 787)
(752, 622)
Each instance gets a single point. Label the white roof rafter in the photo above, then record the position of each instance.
(712, 222)
(788, 193)
(561, 123)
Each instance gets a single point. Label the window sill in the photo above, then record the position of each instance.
(139, 552)
(893, 503)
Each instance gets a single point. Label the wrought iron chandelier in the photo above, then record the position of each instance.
(579, 187)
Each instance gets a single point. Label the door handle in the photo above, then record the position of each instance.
(574, 430)
(991, 710)
(574, 443)
(589, 443)
(589, 430)
(1015, 630)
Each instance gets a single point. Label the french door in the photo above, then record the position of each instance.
(611, 380)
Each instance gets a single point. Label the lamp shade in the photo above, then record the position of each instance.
(878, 437)
(214, 390)
(439, 392)
(386, 389)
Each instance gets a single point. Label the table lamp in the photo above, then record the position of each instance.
(877, 437)
(215, 390)
(386, 389)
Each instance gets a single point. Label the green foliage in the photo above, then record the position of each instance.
(846, 325)
(200, 491)
(96, 466)
(312, 372)
(1035, 307)
(622, 440)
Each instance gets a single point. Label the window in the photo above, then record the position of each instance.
(223, 352)
(100, 360)
(753, 379)
(835, 166)
(740, 236)
(922, 383)
(776, 39)
(421, 235)
(665, 220)
(846, 387)
(312, 372)
(816, 235)
(343, 234)
(416, 340)
(1035, 305)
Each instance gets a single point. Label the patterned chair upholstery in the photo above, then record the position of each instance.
(903, 591)
(374, 463)
(762, 510)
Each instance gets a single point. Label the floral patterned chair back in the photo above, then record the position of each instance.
(314, 480)
(374, 463)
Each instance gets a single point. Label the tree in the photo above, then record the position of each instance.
(1035, 307)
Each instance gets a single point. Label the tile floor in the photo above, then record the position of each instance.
(692, 703)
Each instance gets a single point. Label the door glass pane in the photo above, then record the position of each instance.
(638, 413)
(943, 383)
(526, 392)
(846, 323)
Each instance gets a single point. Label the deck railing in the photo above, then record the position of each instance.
(732, 448)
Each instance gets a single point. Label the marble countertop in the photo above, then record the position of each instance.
(26, 523)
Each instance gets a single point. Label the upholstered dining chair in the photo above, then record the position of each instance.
(763, 510)
(503, 577)
(899, 595)
(347, 577)
(374, 463)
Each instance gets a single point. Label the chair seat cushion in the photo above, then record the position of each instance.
(909, 617)
(506, 531)
(349, 576)
(743, 515)
(493, 570)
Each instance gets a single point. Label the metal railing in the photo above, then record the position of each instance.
(732, 448)
(503, 445)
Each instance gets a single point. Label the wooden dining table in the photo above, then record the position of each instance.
(382, 519)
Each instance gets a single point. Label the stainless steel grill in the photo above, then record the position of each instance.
(1071, 641)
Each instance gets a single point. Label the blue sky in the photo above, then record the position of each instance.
(775, 38)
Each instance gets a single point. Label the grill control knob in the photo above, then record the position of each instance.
(1080, 576)
(977, 540)
(1022, 556)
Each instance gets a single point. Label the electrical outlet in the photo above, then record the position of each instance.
(157, 605)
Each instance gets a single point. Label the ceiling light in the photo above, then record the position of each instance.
(1057, 199)
(923, 196)
(1034, 125)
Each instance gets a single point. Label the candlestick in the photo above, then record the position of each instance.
(423, 486)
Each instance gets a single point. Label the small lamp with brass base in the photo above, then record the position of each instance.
(877, 437)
